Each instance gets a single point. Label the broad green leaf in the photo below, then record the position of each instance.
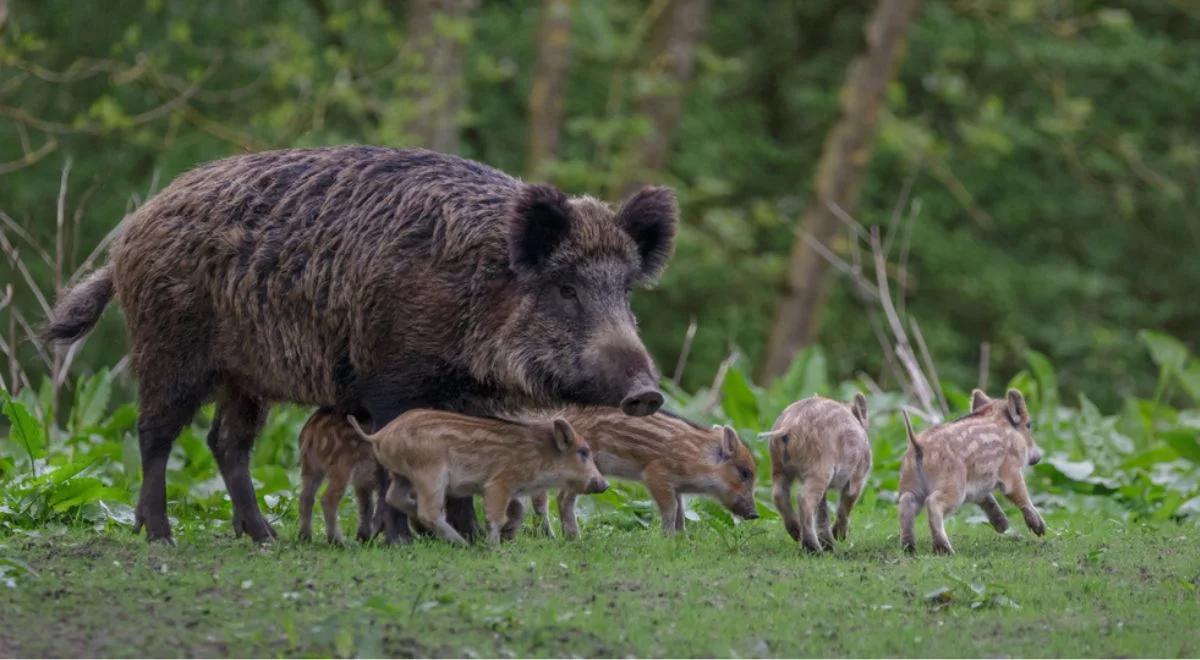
(1185, 442)
(1167, 352)
(1043, 371)
(25, 431)
(91, 399)
(739, 401)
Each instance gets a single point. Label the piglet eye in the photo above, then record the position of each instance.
(744, 474)
(567, 292)
(583, 453)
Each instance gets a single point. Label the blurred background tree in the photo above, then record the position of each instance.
(1037, 160)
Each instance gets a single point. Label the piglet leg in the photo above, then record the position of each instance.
(1016, 492)
(995, 515)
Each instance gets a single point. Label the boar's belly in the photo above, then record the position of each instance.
(611, 465)
(979, 489)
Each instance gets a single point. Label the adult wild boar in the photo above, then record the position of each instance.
(371, 280)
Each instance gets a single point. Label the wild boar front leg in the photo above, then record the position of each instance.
(566, 513)
(995, 515)
(495, 507)
(516, 518)
(664, 497)
(431, 510)
(910, 504)
(679, 512)
(849, 497)
(366, 512)
(812, 495)
(329, 506)
(541, 507)
(310, 479)
(781, 491)
(1018, 494)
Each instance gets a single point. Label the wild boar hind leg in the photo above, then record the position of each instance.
(238, 420)
(781, 490)
(516, 517)
(824, 530)
(431, 511)
(812, 496)
(939, 505)
(849, 497)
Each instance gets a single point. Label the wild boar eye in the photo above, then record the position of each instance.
(583, 453)
(745, 474)
(568, 292)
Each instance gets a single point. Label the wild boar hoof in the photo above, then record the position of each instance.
(305, 535)
(255, 526)
(337, 540)
(794, 532)
(812, 547)
(942, 549)
(909, 548)
(1039, 528)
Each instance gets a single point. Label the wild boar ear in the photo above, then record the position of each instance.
(540, 221)
(650, 217)
(729, 444)
(978, 399)
(564, 435)
(1018, 413)
(860, 409)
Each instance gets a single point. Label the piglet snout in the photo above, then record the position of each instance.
(1035, 457)
(597, 485)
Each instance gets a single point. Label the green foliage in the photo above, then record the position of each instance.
(1144, 461)
(1055, 214)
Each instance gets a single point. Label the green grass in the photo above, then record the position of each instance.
(1091, 587)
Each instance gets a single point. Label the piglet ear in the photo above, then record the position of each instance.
(650, 217)
(729, 443)
(978, 399)
(1017, 411)
(859, 406)
(540, 220)
(564, 435)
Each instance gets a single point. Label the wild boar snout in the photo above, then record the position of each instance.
(597, 485)
(744, 508)
(1035, 456)
(628, 372)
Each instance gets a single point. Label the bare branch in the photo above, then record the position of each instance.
(30, 158)
(928, 360)
(33, 338)
(904, 350)
(985, 356)
(714, 392)
(14, 256)
(683, 352)
(24, 235)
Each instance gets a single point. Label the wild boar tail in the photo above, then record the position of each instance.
(912, 438)
(357, 428)
(79, 307)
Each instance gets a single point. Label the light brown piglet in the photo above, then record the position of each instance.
(671, 455)
(432, 454)
(965, 461)
(329, 447)
(823, 444)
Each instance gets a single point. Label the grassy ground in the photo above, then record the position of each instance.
(1092, 587)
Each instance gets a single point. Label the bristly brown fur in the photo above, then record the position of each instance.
(366, 279)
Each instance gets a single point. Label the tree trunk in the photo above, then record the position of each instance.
(546, 97)
(437, 38)
(671, 61)
(844, 161)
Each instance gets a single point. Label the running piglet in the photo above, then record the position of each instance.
(823, 444)
(965, 461)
